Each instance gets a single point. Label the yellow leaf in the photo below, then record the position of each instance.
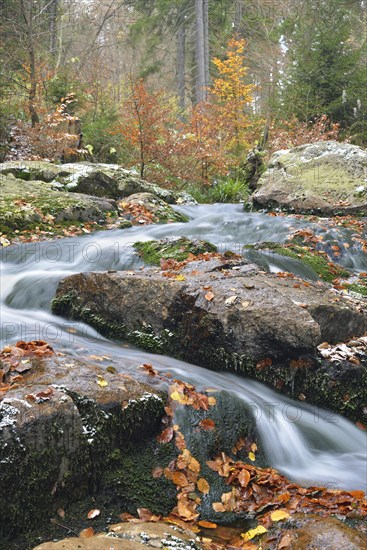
(278, 515)
(252, 456)
(211, 400)
(175, 396)
(180, 278)
(259, 530)
(101, 381)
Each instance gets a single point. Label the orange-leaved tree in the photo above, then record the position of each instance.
(145, 121)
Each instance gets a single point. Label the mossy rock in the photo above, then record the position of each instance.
(24, 204)
(58, 451)
(147, 205)
(357, 289)
(175, 248)
(325, 178)
(321, 266)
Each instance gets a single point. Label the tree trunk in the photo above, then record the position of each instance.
(238, 15)
(181, 61)
(32, 68)
(200, 91)
(206, 42)
(53, 9)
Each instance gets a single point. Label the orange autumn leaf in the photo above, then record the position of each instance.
(87, 533)
(180, 479)
(209, 296)
(207, 424)
(203, 485)
(207, 524)
(244, 478)
(166, 436)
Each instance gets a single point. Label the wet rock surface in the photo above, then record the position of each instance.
(226, 315)
(319, 178)
(65, 430)
(131, 536)
(145, 208)
(316, 533)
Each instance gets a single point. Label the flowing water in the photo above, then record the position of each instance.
(307, 444)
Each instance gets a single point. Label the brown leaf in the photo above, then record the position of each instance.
(244, 478)
(207, 424)
(87, 533)
(46, 394)
(166, 436)
(146, 515)
(180, 479)
(209, 296)
(157, 472)
(285, 541)
(203, 485)
(218, 507)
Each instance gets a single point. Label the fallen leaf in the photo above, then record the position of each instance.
(93, 513)
(87, 533)
(203, 485)
(212, 401)
(180, 479)
(285, 541)
(207, 524)
(209, 296)
(166, 435)
(218, 507)
(259, 530)
(252, 456)
(244, 478)
(207, 424)
(278, 515)
(157, 472)
(101, 381)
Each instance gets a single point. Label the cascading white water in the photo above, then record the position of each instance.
(307, 444)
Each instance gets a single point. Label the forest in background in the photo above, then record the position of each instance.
(180, 90)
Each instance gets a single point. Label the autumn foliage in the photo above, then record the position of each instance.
(205, 142)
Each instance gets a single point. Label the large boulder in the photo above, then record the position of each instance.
(320, 178)
(66, 429)
(24, 204)
(225, 315)
(98, 179)
(146, 208)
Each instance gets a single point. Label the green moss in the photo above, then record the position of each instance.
(130, 480)
(326, 270)
(64, 464)
(177, 249)
(359, 289)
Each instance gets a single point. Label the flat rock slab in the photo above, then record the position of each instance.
(228, 316)
(212, 306)
(131, 536)
(327, 178)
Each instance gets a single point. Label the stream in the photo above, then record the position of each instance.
(309, 445)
